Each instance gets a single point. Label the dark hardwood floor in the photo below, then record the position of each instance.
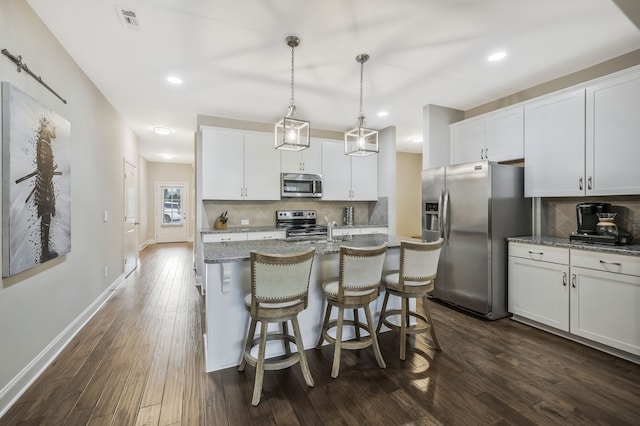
(139, 361)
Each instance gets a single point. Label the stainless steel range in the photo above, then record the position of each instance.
(300, 224)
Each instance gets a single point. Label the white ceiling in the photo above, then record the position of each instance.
(234, 61)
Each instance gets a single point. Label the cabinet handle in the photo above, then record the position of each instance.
(536, 252)
(580, 184)
(573, 280)
(482, 154)
(611, 263)
(225, 239)
(589, 182)
(486, 153)
(564, 279)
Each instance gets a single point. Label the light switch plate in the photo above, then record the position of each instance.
(106, 215)
(244, 222)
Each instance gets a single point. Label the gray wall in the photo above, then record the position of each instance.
(39, 308)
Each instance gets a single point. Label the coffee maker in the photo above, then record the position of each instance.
(587, 216)
(587, 219)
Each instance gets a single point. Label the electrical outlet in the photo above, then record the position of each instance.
(244, 222)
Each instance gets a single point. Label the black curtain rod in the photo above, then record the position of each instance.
(22, 66)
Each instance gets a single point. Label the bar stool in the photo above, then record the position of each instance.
(415, 279)
(279, 291)
(357, 285)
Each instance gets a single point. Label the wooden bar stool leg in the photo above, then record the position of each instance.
(374, 338)
(285, 342)
(338, 346)
(382, 311)
(433, 330)
(403, 327)
(303, 357)
(248, 343)
(324, 327)
(356, 320)
(257, 387)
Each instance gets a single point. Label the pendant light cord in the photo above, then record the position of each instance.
(361, 84)
(292, 68)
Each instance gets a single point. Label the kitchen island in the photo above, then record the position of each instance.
(227, 281)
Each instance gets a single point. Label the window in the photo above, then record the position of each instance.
(172, 206)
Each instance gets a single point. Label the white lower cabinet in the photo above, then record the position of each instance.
(592, 295)
(220, 237)
(605, 299)
(538, 284)
(267, 235)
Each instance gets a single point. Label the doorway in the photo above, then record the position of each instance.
(171, 212)
(130, 217)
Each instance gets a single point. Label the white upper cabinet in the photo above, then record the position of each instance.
(504, 134)
(222, 157)
(585, 141)
(554, 146)
(348, 178)
(496, 136)
(261, 167)
(613, 136)
(239, 165)
(306, 161)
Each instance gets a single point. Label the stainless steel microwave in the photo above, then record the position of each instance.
(301, 185)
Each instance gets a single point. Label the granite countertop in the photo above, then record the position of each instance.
(631, 250)
(233, 229)
(237, 251)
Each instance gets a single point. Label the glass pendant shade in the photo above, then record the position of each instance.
(291, 133)
(360, 141)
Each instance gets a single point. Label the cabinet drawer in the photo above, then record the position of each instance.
(607, 262)
(346, 231)
(539, 252)
(375, 230)
(221, 237)
(268, 235)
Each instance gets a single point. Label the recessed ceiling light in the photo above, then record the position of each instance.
(383, 114)
(497, 56)
(167, 156)
(417, 140)
(174, 80)
(162, 130)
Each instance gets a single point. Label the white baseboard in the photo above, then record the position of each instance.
(145, 244)
(20, 383)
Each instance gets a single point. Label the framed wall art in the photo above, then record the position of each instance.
(36, 182)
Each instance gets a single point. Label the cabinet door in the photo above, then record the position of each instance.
(222, 159)
(261, 167)
(467, 141)
(267, 235)
(312, 157)
(364, 178)
(504, 135)
(539, 291)
(612, 134)
(604, 308)
(336, 172)
(219, 237)
(554, 146)
(291, 161)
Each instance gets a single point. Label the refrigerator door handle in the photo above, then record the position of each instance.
(446, 226)
(440, 215)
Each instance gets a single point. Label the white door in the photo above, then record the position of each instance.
(130, 218)
(171, 212)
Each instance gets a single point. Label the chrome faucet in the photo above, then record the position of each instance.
(330, 225)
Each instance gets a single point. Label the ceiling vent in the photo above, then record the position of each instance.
(128, 18)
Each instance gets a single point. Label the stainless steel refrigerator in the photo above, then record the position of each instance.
(474, 207)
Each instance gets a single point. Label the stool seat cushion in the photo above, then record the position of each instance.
(393, 280)
(264, 305)
(330, 288)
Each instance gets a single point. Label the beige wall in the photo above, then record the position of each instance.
(42, 307)
(167, 173)
(409, 194)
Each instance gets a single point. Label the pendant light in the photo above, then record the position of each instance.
(361, 141)
(291, 133)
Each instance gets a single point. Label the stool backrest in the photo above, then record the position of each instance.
(419, 262)
(280, 277)
(360, 268)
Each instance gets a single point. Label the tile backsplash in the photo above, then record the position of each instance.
(263, 213)
(559, 214)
